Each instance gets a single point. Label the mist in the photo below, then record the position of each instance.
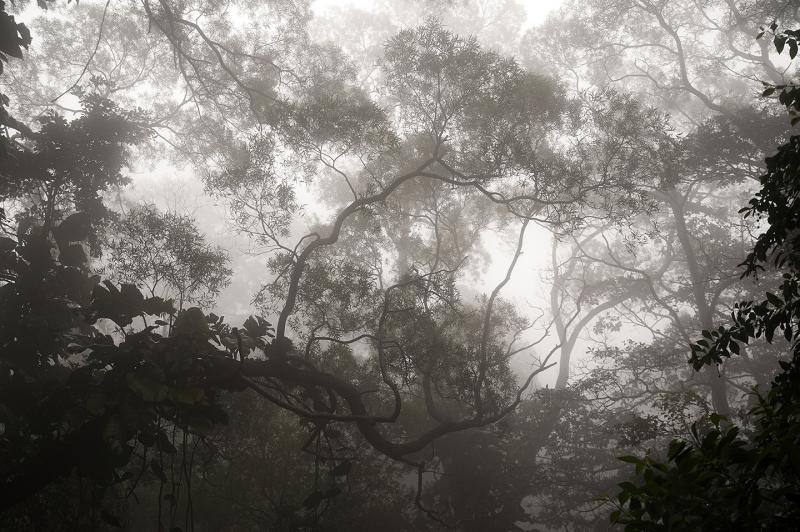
(399, 265)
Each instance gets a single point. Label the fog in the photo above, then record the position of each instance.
(473, 265)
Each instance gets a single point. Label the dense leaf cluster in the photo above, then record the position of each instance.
(13, 38)
(88, 386)
(789, 94)
(76, 400)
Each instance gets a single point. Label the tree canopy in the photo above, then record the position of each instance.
(475, 265)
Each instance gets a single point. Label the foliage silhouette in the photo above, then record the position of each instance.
(165, 254)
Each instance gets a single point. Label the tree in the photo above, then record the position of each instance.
(48, 175)
(165, 254)
(16, 38)
(389, 343)
(642, 391)
(724, 477)
(738, 478)
(73, 400)
(693, 60)
(696, 62)
(473, 124)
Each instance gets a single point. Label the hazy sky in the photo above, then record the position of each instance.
(537, 9)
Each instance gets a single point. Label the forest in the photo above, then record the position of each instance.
(399, 265)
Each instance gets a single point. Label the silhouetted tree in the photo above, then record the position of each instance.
(166, 255)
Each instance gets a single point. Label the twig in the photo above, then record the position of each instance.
(91, 57)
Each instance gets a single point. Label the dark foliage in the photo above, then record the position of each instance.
(77, 400)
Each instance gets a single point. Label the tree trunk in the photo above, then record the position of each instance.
(714, 375)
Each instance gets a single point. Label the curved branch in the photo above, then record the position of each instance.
(487, 319)
(366, 423)
(91, 56)
(332, 238)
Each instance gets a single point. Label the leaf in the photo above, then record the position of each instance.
(191, 395)
(256, 326)
(73, 255)
(201, 424)
(774, 300)
(96, 404)
(767, 92)
(217, 415)
(24, 35)
(10, 43)
(147, 438)
(132, 297)
(779, 42)
(156, 306)
(74, 228)
(676, 447)
(192, 322)
(148, 389)
(7, 244)
(332, 492)
(37, 250)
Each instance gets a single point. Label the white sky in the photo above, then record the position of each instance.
(537, 10)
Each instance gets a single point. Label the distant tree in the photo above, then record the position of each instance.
(694, 60)
(166, 255)
(726, 477)
(697, 62)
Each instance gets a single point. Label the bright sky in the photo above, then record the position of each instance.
(537, 10)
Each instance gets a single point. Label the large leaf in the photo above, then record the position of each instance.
(74, 228)
(72, 255)
(7, 244)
